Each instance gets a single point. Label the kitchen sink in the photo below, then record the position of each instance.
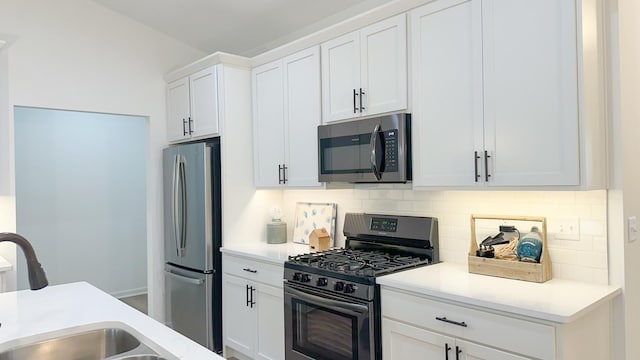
(106, 343)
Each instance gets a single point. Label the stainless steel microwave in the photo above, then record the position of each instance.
(374, 150)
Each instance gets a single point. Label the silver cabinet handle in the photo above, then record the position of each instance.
(174, 202)
(361, 96)
(185, 279)
(183, 191)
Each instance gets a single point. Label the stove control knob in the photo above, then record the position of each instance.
(322, 282)
(349, 288)
(305, 278)
(297, 276)
(339, 286)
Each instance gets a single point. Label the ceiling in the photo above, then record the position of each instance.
(241, 27)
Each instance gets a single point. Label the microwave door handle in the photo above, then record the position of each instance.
(375, 167)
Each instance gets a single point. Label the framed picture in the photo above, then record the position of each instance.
(311, 216)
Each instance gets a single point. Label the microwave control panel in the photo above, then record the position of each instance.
(391, 150)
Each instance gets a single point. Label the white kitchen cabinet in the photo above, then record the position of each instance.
(496, 94)
(414, 323)
(253, 308)
(365, 72)
(286, 113)
(192, 106)
(402, 341)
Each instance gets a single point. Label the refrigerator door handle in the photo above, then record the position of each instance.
(185, 279)
(174, 203)
(183, 193)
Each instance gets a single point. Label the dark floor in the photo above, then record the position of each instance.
(138, 302)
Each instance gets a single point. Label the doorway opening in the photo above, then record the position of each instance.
(81, 197)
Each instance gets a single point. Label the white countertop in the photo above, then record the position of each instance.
(274, 253)
(5, 265)
(28, 316)
(556, 300)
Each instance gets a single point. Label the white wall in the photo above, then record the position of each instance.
(78, 55)
(584, 259)
(629, 122)
(81, 197)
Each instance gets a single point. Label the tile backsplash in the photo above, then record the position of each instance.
(577, 220)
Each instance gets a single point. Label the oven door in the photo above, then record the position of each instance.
(325, 326)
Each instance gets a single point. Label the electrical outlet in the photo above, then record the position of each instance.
(564, 228)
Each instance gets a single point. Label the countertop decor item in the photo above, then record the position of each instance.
(530, 246)
(518, 270)
(319, 240)
(311, 216)
(276, 229)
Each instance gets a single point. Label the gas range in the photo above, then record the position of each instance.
(376, 245)
(332, 302)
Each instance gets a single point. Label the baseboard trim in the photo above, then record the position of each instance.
(128, 293)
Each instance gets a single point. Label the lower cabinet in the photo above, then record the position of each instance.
(416, 326)
(253, 308)
(402, 341)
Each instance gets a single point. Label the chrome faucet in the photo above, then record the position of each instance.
(37, 278)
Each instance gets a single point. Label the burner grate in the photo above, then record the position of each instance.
(368, 263)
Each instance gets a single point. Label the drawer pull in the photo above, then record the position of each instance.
(249, 270)
(463, 324)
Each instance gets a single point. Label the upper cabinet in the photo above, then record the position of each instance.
(365, 72)
(192, 106)
(498, 95)
(286, 114)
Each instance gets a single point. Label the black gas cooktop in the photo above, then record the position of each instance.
(357, 262)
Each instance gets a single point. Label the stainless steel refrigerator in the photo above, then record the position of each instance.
(192, 206)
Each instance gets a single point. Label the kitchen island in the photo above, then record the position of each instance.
(29, 316)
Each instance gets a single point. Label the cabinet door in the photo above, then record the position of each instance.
(204, 102)
(268, 124)
(240, 320)
(270, 303)
(178, 109)
(302, 116)
(401, 341)
(383, 57)
(530, 89)
(340, 77)
(471, 351)
(447, 93)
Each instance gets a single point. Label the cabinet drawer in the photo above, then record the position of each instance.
(503, 332)
(269, 274)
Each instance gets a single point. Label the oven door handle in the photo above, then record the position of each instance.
(335, 305)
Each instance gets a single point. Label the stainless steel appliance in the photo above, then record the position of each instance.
(366, 151)
(192, 207)
(332, 302)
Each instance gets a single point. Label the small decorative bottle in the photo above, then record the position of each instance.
(276, 229)
(530, 246)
